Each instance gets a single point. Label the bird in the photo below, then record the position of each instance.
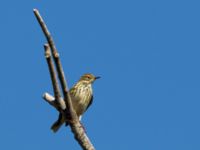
(81, 96)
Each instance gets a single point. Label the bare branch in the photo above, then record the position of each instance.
(54, 80)
(59, 69)
(72, 119)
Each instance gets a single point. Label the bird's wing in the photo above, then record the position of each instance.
(91, 100)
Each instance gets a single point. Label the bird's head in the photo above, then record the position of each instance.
(88, 78)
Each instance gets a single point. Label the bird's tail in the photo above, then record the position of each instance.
(58, 123)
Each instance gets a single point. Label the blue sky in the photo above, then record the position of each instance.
(147, 53)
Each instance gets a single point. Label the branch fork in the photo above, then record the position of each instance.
(61, 104)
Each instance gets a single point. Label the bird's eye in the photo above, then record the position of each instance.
(86, 78)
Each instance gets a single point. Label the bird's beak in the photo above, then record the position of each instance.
(97, 77)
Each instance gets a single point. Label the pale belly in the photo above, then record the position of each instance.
(79, 105)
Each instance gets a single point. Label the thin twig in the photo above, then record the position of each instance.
(75, 125)
(54, 79)
(50, 99)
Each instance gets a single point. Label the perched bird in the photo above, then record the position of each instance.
(81, 96)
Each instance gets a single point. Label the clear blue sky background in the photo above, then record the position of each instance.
(147, 52)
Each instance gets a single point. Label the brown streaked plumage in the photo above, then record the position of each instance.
(82, 96)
